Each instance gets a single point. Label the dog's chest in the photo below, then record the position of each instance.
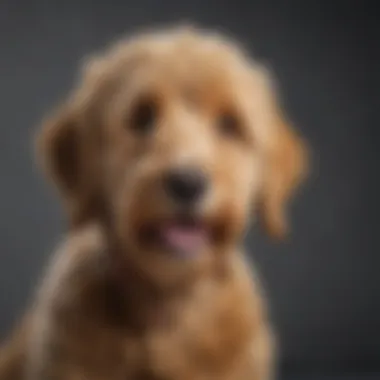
(199, 346)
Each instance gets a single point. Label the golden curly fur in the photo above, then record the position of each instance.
(117, 303)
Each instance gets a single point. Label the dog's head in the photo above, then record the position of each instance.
(171, 139)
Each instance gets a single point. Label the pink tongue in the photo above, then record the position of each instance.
(184, 238)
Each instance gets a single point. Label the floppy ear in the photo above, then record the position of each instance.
(68, 144)
(285, 168)
(63, 152)
(58, 148)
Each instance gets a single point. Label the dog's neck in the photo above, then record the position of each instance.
(142, 302)
(145, 303)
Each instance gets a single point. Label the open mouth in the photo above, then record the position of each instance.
(182, 236)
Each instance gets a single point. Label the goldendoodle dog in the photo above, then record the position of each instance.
(167, 147)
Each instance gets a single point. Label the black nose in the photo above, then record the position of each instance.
(185, 185)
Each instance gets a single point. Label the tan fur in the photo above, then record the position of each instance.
(110, 307)
(13, 352)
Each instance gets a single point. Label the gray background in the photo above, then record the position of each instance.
(324, 286)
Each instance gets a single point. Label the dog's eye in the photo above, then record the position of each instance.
(229, 125)
(144, 115)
